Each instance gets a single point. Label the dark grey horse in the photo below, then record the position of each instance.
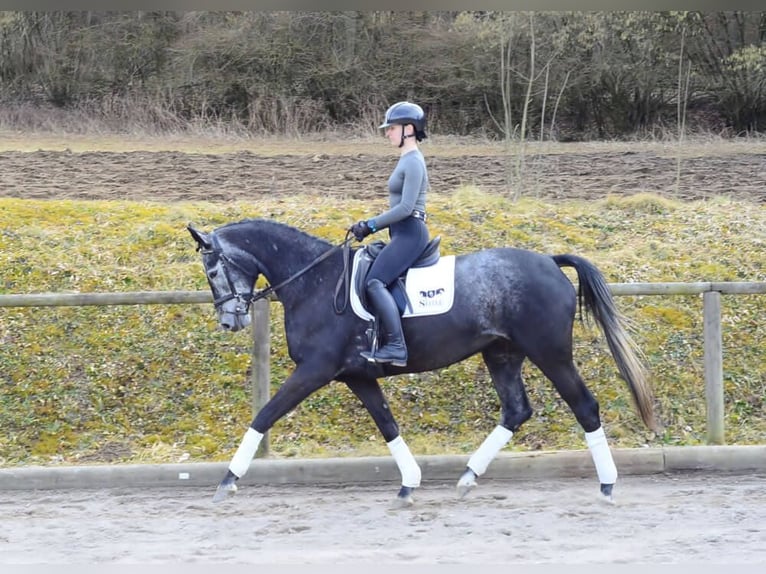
(510, 305)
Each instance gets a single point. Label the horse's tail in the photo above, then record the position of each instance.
(594, 292)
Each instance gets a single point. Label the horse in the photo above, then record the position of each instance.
(510, 305)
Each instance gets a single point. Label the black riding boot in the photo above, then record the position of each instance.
(394, 351)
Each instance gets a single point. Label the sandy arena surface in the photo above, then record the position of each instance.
(656, 519)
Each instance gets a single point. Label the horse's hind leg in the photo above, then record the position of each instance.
(572, 389)
(371, 395)
(504, 364)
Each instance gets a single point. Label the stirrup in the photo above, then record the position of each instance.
(373, 358)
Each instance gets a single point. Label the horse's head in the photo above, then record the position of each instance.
(231, 283)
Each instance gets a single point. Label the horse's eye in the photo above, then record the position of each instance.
(213, 274)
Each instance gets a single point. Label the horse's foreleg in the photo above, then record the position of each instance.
(239, 464)
(296, 387)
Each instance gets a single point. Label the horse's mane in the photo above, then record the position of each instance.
(276, 228)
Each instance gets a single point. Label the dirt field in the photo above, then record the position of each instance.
(733, 170)
(657, 519)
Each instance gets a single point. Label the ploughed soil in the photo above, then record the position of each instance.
(734, 170)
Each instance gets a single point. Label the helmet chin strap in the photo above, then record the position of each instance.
(404, 137)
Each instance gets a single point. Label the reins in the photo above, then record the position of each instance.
(344, 279)
(346, 250)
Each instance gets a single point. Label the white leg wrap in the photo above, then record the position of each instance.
(245, 453)
(602, 456)
(488, 450)
(407, 464)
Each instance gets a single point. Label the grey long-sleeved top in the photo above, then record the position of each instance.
(407, 187)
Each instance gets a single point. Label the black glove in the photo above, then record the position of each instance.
(360, 229)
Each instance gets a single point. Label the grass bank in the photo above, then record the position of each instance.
(160, 383)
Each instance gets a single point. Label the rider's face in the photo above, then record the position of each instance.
(394, 133)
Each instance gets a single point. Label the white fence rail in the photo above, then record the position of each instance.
(711, 292)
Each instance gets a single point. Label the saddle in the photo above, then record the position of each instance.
(429, 256)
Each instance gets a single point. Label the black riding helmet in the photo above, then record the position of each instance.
(403, 113)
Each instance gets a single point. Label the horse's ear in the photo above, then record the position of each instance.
(202, 238)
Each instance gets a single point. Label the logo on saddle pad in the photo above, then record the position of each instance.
(430, 290)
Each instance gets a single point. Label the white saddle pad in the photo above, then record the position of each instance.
(431, 290)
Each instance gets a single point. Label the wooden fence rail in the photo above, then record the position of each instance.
(711, 292)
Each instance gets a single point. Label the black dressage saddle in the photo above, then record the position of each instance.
(429, 256)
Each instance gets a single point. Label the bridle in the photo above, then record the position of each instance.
(244, 300)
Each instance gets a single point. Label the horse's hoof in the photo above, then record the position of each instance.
(606, 493)
(466, 483)
(225, 490)
(404, 499)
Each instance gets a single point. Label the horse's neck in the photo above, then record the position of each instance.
(281, 251)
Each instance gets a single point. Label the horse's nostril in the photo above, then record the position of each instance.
(225, 326)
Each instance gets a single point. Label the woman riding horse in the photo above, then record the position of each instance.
(405, 219)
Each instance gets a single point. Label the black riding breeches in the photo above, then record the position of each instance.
(408, 239)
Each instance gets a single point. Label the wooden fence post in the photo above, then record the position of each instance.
(713, 366)
(260, 370)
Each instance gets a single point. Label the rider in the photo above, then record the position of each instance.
(405, 219)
